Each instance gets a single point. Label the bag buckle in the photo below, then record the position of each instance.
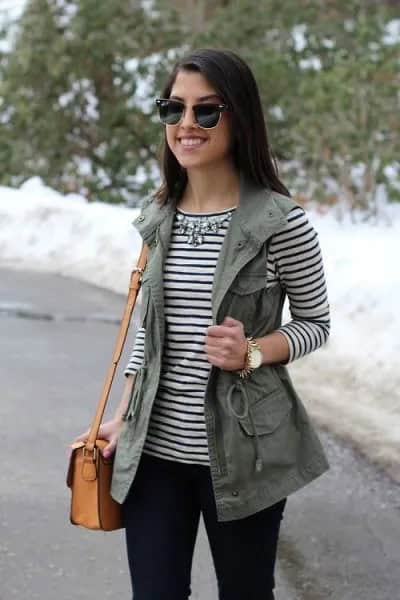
(93, 453)
(138, 270)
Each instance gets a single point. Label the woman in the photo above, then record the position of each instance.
(209, 421)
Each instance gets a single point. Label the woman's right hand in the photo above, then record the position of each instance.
(111, 429)
(108, 431)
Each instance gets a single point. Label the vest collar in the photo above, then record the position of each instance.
(256, 219)
(257, 215)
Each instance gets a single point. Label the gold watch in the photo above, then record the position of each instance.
(254, 357)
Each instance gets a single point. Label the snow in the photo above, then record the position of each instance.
(354, 389)
(351, 385)
(85, 87)
(392, 32)
(40, 229)
(145, 84)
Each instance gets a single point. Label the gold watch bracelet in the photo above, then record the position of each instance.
(247, 369)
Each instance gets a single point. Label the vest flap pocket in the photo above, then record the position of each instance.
(248, 283)
(267, 413)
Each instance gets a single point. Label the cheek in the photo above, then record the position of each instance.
(223, 139)
(170, 138)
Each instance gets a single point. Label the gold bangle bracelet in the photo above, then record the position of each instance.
(247, 369)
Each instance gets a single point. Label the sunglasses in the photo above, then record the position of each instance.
(206, 116)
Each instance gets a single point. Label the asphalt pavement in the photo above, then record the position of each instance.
(340, 537)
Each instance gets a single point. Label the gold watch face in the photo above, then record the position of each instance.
(255, 358)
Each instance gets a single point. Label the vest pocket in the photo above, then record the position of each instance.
(267, 413)
(248, 283)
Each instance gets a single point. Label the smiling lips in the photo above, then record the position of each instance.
(191, 142)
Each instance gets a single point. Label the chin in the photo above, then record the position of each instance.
(192, 163)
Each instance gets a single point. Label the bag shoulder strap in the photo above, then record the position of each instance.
(134, 287)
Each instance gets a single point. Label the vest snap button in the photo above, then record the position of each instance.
(235, 493)
(141, 218)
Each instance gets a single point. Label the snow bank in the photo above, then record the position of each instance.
(40, 229)
(351, 385)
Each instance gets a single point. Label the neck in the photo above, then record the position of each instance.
(212, 188)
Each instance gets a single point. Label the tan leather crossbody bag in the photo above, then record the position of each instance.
(89, 473)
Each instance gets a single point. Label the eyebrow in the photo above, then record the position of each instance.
(201, 99)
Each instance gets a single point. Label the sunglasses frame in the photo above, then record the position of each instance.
(220, 107)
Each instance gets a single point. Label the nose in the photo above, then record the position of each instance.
(188, 117)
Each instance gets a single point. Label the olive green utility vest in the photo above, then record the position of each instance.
(262, 446)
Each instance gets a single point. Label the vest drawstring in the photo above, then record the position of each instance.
(246, 413)
(133, 406)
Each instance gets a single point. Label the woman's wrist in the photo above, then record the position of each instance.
(274, 348)
(253, 357)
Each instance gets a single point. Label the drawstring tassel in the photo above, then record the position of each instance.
(246, 412)
(133, 405)
(259, 465)
(259, 462)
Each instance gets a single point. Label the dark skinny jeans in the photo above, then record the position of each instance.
(162, 512)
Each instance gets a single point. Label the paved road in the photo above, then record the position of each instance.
(340, 535)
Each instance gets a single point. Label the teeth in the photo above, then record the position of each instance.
(191, 141)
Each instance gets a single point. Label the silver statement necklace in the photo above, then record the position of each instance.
(196, 226)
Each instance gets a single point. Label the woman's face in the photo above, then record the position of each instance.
(209, 146)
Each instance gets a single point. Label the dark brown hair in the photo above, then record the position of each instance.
(232, 78)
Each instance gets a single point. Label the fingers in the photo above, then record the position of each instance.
(230, 328)
(219, 331)
(110, 448)
(231, 322)
(107, 451)
(222, 347)
(82, 438)
(219, 344)
(219, 351)
(107, 431)
(226, 345)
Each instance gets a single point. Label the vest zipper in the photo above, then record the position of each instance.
(212, 420)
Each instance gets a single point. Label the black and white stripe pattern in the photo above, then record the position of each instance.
(177, 428)
(295, 259)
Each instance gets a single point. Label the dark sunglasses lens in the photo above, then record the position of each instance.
(170, 112)
(206, 115)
